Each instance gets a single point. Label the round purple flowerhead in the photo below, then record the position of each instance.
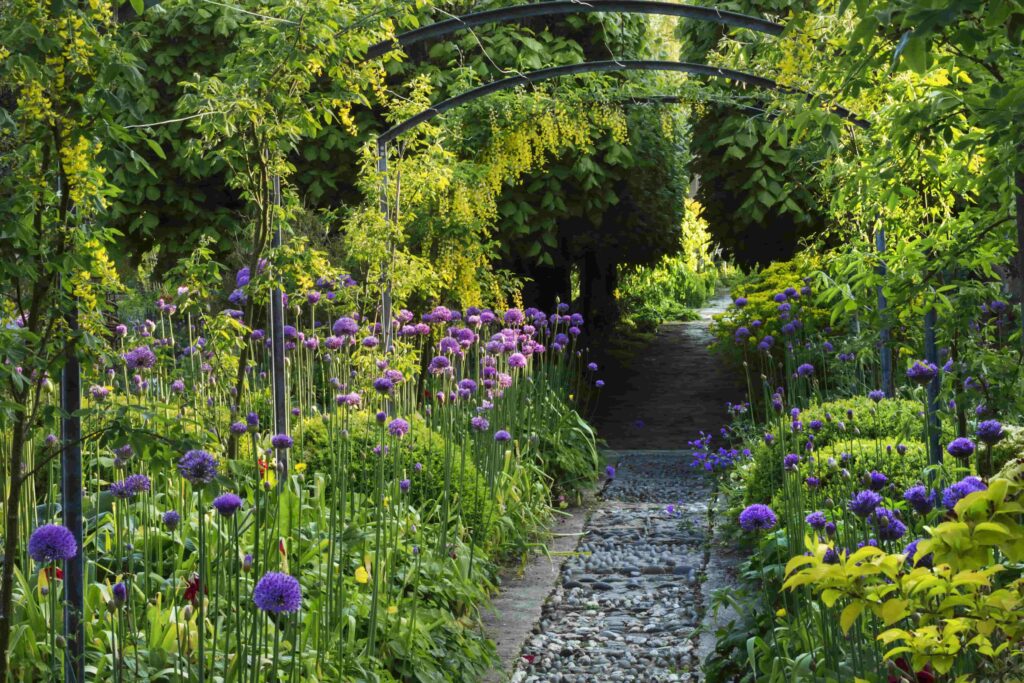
(864, 503)
(281, 441)
(876, 395)
(439, 365)
(961, 447)
(966, 486)
(238, 428)
(252, 419)
(876, 481)
(479, 423)
(922, 372)
(383, 385)
(599, 384)
(398, 427)
(805, 370)
(517, 360)
(139, 358)
(920, 499)
(52, 543)
(198, 467)
(610, 471)
(791, 461)
(277, 592)
(758, 517)
(171, 519)
(816, 520)
(990, 432)
(888, 524)
(227, 504)
(740, 302)
(501, 435)
(404, 485)
(132, 486)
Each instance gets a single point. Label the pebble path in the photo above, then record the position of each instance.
(630, 601)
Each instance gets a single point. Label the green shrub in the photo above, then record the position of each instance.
(649, 296)
(1010, 447)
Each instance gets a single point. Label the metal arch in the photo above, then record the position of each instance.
(559, 7)
(595, 67)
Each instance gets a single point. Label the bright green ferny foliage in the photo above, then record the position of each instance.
(956, 605)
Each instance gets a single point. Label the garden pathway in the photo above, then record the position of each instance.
(629, 604)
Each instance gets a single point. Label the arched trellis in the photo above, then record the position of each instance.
(70, 377)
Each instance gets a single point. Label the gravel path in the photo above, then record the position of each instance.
(630, 601)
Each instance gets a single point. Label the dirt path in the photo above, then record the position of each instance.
(630, 600)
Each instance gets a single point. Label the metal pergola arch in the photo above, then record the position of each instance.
(564, 7)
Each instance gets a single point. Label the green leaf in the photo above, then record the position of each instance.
(155, 146)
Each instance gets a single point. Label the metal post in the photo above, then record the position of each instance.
(1019, 175)
(277, 347)
(931, 353)
(71, 503)
(883, 335)
(385, 278)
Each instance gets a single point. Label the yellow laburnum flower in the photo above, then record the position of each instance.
(361, 575)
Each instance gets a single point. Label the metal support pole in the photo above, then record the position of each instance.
(71, 504)
(931, 353)
(1019, 176)
(385, 277)
(277, 348)
(885, 351)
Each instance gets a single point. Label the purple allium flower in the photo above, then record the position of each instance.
(281, 441)
(502, 435)
(227, 504)
(139, 358)
(758, 517)
(990, 432)
(812, 482)
(952, 495)
(779, 298)
(599, 383)
(418, 467)
(238, 428)
(816, 520)
(132, 486)
(920, 499)
(888, 524)
(52, 543)
(198, 467)
(277, 592)
(247, 562)
(479, 423)
(517, 360)
(791, 461)
(815, 425)
(922, 372)
(864, 503)
(592, 367)
(120, 592)
(398, 427)
(439, 365)
(370, 342)
(830, 529)
(876, 481)
(830, 556)
(383, 385)
(252, 419)
(901, 448)
(740, 302)
(404, 485)
(827, 346)
(876, 395)
(171, 518)
(610, 471)
(960, 447)
(769, 438)
(178, 386)
(741, 333)
(805, 370)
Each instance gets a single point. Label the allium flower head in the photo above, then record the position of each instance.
(966, 486)
(139, 358)
(888, 524)
(281, 441)
(876, 481)
(238, 428)
(130, 487)
(171, 519)
(277, 592)
(816, 520)
(960, 447)
(404, 485)
(227, 504)
(383, 385)
(52, 543)
(864, 503)
(922, 372)
(198, 467)
(398, 427)
(439, 365)
(758, 517)
(479, 423)
(610, 471)
(740, 302)
(920, 499)
(120, 592)
(990, 432)
(876, 395)
(517, 360)
(805, 370)
(791, 461)
(502, 435)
